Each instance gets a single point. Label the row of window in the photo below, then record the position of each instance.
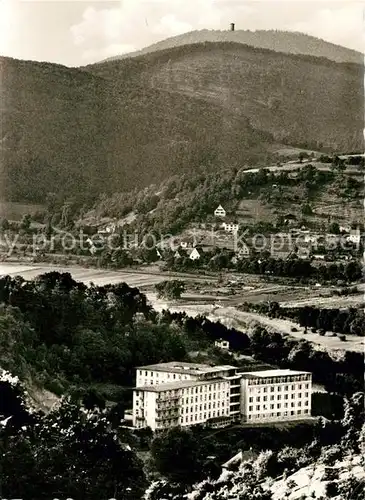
(279, 388)
(205, 406)
(204, 416)
(298, 395)
(279, 414)
(278, 405)
(279, 380)
(207, 397)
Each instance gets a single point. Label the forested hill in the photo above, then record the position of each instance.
(280, 41)
(121, 124)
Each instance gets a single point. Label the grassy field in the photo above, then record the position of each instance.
(15, 211)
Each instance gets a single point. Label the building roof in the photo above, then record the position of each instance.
(187, 368)
(179, 384)
(275, 373)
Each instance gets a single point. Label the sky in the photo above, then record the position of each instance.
(78, 32)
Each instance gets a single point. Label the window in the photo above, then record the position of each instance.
(305, 411)
(286, 388)
(286, 396)
(278, 414)
(278, 405)
(293, 396)
(272, 407)
(258, 399)
(272, 389)
(292, 405)
(174, 376)
(299, 386)
(265, 398)
(307, 386)
(285, 405)
(279, 396)
(279, 388)
(272, 398)
(306, 403)
(250, 408)
(265, 389)
(258, 408)
(292, 412)
(306, 394)
(251, 400)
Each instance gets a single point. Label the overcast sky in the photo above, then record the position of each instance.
(77, 32)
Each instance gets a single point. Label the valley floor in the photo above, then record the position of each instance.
(204, 296)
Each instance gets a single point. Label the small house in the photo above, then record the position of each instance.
(346, 228)
(243, 251)
(230, 227)
(222, 344)
(354, 236)
(194, 254)
(219, 211)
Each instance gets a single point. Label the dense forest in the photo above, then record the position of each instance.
(140, 125)
(75, 452)
(323, 320)
(77, 340)
(64, 334)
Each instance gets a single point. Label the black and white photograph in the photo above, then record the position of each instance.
(182, 250)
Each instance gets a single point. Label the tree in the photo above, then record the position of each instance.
(70, 453)
(334, 228)
(25, 222)
(175, 454)
(4, 224)
(307, 209)
(170, 289)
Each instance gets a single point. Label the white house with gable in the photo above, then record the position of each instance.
(194, 254)
(219, 211)
(230, 227)
(354, 236)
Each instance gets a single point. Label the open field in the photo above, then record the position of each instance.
(140, 278)
(15, 211)
(210, 303)
(240, 320)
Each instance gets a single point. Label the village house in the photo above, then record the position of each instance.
(230, 227)
(346, 228)
(219, 211)
(290, 219)
(188, 242)
(177, 255)
(243, 251)
(195, 254)
(222, 344)
(354, 236)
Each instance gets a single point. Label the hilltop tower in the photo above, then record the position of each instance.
(232, 26)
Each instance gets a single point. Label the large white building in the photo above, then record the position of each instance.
(178, 393)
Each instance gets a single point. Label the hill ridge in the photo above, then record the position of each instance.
(295, 43)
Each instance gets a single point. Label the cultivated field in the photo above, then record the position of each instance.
(15, 211)
(212, 303)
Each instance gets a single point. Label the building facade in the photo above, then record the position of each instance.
(230, 227)
(219, 211)
(184, 394)
(275, 395)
